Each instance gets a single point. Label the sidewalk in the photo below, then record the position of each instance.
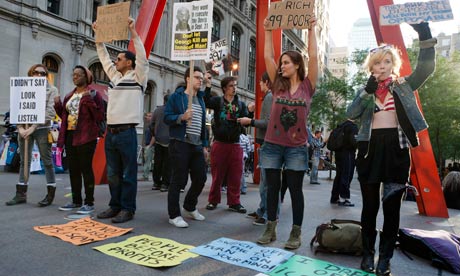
(27, 252)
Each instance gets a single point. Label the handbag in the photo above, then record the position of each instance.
(53, 135)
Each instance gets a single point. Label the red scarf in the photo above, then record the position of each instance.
(382, 89)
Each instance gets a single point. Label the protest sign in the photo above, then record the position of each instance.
(82, 231)
(191, 35)
(290, 14)
(217, 57)
(148, 251)
(416, 12)
(27, 100)
(243, 253)
(300, 265)
(112, 22)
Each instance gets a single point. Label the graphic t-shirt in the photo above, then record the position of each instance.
(288, 119)
(72, 109)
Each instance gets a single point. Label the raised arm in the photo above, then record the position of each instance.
(269, 53)
(312, 54)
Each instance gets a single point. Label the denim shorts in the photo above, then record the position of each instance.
(290, 158)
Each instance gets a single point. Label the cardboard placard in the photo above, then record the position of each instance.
(218, 57)
(290, 14)
(112, 22)
(27, 100)
(416, 12)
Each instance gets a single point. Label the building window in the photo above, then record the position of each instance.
(235, 3)
(98, 73)
(96, 4)
(215, 32)
(252, 15)
(243, 6)
(235, 50)
(111, 1)
(53, 6)
(53, 69)
(252, 65)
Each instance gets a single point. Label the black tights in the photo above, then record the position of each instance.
(294, 180)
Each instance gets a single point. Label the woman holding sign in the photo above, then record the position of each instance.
(37, 133)
(286, 137)
(390, 120)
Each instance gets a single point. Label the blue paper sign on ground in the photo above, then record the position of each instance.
(243, 253)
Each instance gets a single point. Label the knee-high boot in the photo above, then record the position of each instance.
(367, 263)
(20, 197)
(386, 247)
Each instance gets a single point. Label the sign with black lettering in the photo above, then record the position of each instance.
(218, 57)
(191, 33)
(243, 253)
(112, 22)
(27, 100)
(82, 231)
(301, 265)
(290, 14)
(416, 12)
(149, 251)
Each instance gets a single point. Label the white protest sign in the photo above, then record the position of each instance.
(27, 100)
(290, 14)
(416, 12)
(219, 52)
(191, 34)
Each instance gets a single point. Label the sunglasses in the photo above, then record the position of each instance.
(41, 73)
(381, 48)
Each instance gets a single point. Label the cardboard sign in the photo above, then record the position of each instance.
(82, 231)
(27, 100)
(416, 12)
(112, 22)
(148, 251)
(191, 34)
(290, 14)
(218, 57)
(300, 265)
(243, 253)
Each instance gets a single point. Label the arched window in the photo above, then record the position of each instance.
(235, 50)
(53, 69)
(149, 96)
(98, 73)
(252, 65)
(215, 32)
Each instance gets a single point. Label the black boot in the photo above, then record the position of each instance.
(386, 247)
(367, 264)
(49, 197)
(20, 197)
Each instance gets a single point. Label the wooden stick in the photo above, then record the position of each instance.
(190, 89)
(26, 158)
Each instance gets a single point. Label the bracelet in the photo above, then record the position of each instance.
(252, 122)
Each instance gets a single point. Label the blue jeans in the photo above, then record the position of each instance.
(244, 186)
(274, 156)
(314, 169)
(121, 155)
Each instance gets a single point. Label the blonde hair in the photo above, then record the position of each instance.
(379, 53)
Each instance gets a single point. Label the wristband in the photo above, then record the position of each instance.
(252, 122)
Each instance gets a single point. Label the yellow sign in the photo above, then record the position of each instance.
(82, 231)
(290, 14)
(149, 251)
(112, 22)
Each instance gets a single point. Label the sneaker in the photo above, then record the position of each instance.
(155, 187)
(109, 213)
(194, 215)
(164, 188)
(334, 201)
(182, 190)
(252, 215)
(315, 183)
(243, 192)
(123, 216)
(260, 221)
(69, 207)
(85, 209)
(178, 222)
(237, 208)
(211, 206)
(345, 203)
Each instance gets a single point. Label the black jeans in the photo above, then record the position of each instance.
(161, 168)
(345, 162)
(80, 160)
(187, 158)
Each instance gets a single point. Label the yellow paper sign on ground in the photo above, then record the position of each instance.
(149, 251)
(82, 231)
(290, 14)
(112, 22)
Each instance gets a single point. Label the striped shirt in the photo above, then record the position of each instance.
(193, 130)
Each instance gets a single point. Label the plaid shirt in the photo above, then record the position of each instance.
(403, 142)
(317, 145)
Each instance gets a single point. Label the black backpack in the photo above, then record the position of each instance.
(336, 139)
(101, 124)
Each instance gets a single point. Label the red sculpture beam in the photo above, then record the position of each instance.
(424, 173)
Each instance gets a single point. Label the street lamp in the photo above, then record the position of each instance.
(234, 68)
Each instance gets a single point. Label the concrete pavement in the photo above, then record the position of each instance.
(27, 252)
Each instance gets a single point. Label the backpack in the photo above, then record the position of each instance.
(338, 236)
(440, 247)
(336, 139)
(101, 124)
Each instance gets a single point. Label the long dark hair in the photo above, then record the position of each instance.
(282, 83)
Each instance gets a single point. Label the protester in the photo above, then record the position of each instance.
(451, 190)
(390, 120)
(345, 166)
(226, 153)
(187, 130)
(37, 133)
(160, 136)
(80, 113)
(286, 138)
(124, 112)
(148, 144)
(316, 144)
(260, 215)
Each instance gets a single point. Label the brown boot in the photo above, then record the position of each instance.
(270, 233)
(49, 197)
(294, 238)
(20, 197)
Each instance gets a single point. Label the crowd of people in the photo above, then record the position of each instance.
(389, 122)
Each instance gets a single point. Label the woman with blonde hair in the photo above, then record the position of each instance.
(390, 120)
